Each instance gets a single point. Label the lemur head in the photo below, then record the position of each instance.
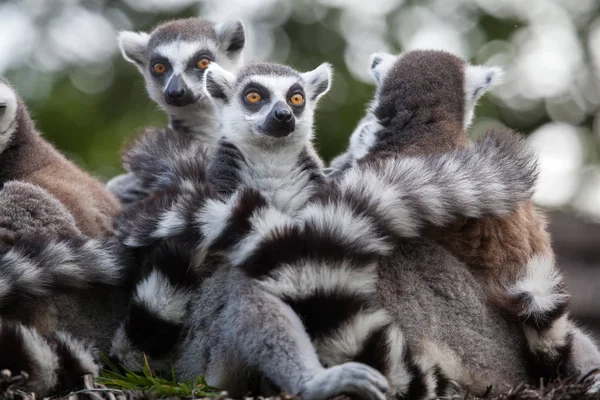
(426, 78)
(174, 57)
(266, 102)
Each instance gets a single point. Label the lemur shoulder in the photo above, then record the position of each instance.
(27, 157)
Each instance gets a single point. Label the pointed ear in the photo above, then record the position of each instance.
(381, 63)
(231, 36)
(218, 84)
(478, 80)
(318, 81)
(133, 46)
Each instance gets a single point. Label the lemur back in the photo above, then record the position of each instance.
(173, 59)
(27, 157)
(423, 105)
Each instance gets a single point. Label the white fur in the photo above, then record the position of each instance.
(133, 46)
(170, 223)
(306, 278)
(267, 222)
(7, 118)
(399, 375)
(28, 275)
(129, 356)
(355, 230)
(317, 78)
(214, 216)
(541, 282)
(478, 80)
(550, 340)
(80, 351)
(386, 200)
(44, 361)
(364, 136)
(347, 341)
(158, 295)
(348, 378)
(384, 62)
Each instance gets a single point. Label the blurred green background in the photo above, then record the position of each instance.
(62, 57)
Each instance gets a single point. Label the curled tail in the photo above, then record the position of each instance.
(34, 268)
(54, 363)
(404, 194)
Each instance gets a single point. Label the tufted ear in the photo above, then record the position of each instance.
(218, 84)
(318, 81)
(381, 63)
(133, 46)
(231, 36)
(478, 80)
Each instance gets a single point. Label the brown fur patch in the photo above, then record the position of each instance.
(30, 158)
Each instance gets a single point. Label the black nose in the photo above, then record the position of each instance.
(283, 115)
(177, 93)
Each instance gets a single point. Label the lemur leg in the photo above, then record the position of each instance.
(257, 331)
(514, 253)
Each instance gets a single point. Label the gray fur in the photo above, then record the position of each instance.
(245, 329)
(29, 210)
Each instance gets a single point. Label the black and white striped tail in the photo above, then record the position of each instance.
(323, 264)
(162, 158)
(157, 311)
(34, 268)
(54, 363)
(538, 299)
(405, 194)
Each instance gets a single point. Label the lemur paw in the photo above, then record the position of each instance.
(350, 378)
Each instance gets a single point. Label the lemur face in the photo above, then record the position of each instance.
(477, 79)
(175, 56)
(267, 100)
(8, 113)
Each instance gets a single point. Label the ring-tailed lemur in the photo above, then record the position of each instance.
(173, 59)
(274, 156)
(419, 94)
(27, 157)
(321, 260)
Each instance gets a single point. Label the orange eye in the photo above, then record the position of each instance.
(203, 63)
(297, 99)
(253, 97)
(159, 68)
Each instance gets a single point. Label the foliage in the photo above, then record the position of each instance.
(119, 377)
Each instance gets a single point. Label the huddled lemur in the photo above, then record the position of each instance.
(173, 59)
(430, 96)
(309, 287)
(27, 157)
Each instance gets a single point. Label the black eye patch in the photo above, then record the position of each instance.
(250, 87)
(193, 61)
(296, 88)
(157, 59)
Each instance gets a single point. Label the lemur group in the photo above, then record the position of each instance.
(414, 266)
